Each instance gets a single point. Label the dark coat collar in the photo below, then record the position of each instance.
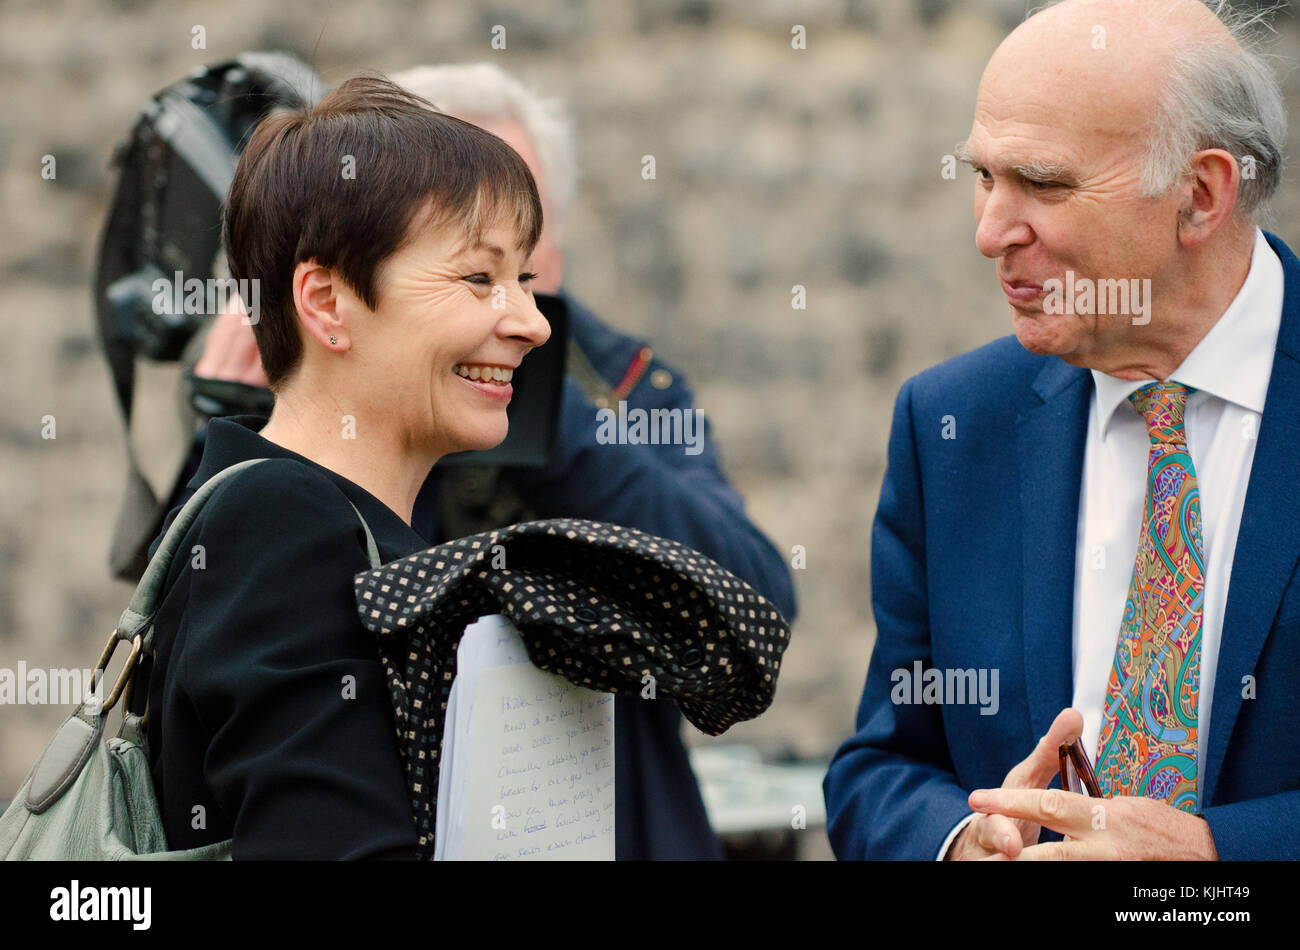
(232, 439)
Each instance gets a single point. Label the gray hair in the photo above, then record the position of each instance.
(1220, 95)
(486, 92)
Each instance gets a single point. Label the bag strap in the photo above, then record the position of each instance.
(66, 756)
(139, 614)
(372, 549)
(137, 618)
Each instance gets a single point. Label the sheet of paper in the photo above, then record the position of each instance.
(489, 642)
(528, 758)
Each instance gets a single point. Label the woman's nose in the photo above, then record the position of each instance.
(525, 322)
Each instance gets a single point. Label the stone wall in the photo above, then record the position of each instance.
(775, 167)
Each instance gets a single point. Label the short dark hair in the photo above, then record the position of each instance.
(415, 167)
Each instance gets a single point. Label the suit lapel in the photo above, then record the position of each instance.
(1268, 541)
(1050, 439)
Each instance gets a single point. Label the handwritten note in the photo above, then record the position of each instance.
(548, 771)
(538, 782)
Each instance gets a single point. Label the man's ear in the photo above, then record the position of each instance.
(317, 298)
(1214, 177)
(548, 262)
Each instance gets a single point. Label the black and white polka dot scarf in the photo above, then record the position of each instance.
(606, 607)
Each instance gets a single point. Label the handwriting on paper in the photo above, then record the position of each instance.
(547, 783)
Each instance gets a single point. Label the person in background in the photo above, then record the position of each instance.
(656, 488)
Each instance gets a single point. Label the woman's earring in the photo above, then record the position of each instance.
(333, 341)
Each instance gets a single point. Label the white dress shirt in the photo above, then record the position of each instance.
(1229, 371)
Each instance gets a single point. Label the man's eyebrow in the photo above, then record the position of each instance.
(1042, 171)
(1035, 170)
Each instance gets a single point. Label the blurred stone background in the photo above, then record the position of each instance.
(775, 167)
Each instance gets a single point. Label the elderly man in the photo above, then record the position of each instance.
(1099, 517)
(657, 488)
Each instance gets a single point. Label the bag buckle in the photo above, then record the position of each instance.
(124, 677)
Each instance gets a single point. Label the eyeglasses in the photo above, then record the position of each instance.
(1076, 770)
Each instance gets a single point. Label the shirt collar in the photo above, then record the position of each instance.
(1235, 359)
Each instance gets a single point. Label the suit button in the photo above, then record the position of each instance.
(692, 657)
(585, 615)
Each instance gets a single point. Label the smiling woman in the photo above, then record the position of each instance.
(391, 244)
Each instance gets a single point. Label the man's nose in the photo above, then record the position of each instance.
(1000, 222)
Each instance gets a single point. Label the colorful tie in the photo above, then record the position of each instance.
(1148, 734)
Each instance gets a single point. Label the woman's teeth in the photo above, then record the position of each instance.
(484, 374)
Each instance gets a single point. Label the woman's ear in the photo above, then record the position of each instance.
(316, 295)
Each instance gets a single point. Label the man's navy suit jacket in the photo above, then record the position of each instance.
(972, 566)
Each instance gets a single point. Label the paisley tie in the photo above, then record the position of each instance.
(1147, 745)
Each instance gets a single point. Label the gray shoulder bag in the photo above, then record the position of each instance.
(92, 799)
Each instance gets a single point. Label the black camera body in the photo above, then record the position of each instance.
(175, 170)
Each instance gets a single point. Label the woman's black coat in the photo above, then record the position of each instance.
(269, 719)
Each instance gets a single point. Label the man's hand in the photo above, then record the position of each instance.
(995, 833)
(1125, 828)
(230, 351)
